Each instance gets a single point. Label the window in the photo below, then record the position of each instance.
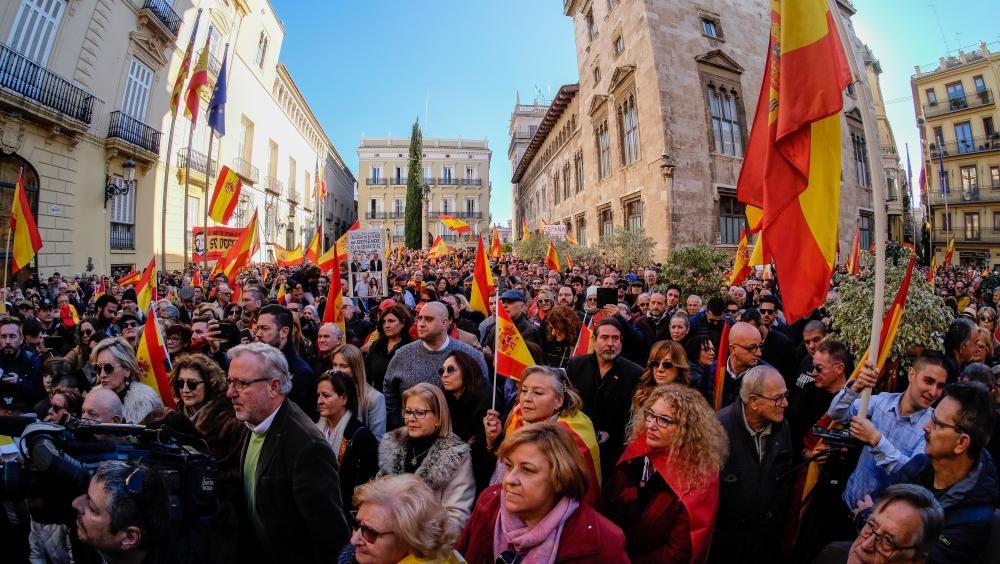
(963, 137)
(710, 27)
(863, 175)
(471, 172)
(291, 178)
(446, 206)
(890, 186)
(34, 28)
(122, 219)
(556, 188)
(726, 132)
(581, 230)
(633, 215)
(400, 175)
(619, 44)
(376, 174)
(272, 159)
(607, 222)
(566, 191)
(372, 208)
(591, 24)
(972, 226)
(956, 96)
(730, 218)
(931, 97)
(397, 206)
(306, 196)
(866, 227)
(136, 98)
(597, 75)
(446, 174)
(946, 222)
(245, 149)
(470, 207)
(938, 135)
(603, 150)
(995, 177)
(261, 50)
(970, 183)
(628, 117)
(192, 209)
(980, 83)
(996, 222)
(579, 173)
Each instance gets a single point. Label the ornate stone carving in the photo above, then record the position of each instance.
(11, 134)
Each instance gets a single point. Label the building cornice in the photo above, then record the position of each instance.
(562, 99)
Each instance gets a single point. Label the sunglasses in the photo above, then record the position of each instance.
(191, 385)
(664, 364)
(106, 367)
(447, 369)
(369, 534)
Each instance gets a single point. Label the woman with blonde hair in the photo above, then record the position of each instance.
(400, 519)
(427, 447)
(371, 403)
(667, 363)
(665, 488)
(116, 369)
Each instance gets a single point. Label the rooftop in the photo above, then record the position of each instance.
(555, 111)
(429, 142)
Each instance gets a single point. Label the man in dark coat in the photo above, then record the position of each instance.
(754, 485)
(293, 510)
(513, 302)
(606, 381)
(20, 369)
(274, 327)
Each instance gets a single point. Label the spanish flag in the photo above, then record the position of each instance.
(100, 290)
(482, 282)
(225, 195)
(288, 257)
(569, 262)
(455, 224)
(237, 292)
(281, 294)
(333, 312)
(512, 353)
(524, 230)
(146, 288)
(891, 320)
(199, 80)
(571, 239)
(196, 281)
(721, 362)
(741, 265)
(585, 340)
(495, 246)
(240, 252)
(552, 258)
(25, 239)
(130, 279)
(182, 73)
(313, 252)
(931, 270)
(154, 361)
(68, 316)
(791, 169)
(948, 254)
(438, 250)
(854, 259)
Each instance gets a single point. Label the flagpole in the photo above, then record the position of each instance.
(208, 177)
(878, 197)
(496, 343)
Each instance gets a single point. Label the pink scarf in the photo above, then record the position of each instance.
(534, 545)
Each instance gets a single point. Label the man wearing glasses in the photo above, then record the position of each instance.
(830, 366)
(754, 488)
(743, 354)
(292, 489)
(893, 431)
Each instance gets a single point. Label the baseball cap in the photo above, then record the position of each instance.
(512, 295)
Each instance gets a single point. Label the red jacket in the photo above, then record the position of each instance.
(586, 537)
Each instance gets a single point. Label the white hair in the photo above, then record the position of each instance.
(272, 363)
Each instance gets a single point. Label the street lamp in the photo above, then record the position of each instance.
(112, 188)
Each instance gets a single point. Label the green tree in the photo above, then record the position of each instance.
(628, 249)
(537, 246)
(415, 189)
(697, 269)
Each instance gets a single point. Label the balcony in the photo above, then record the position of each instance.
(966, 146)
(472, 182)
(973, 193)
(161, 16)
(377, 181)
(400, 214)
(447, 181)
(375, 215)
(450, 238)
(122, 237)
(972, 234)
(273, 185)
(247, 171)
(401, 181)
(57, 98)
(458, 215)
(133, 132)
(294, 196)
(199, 162)
(976, 100)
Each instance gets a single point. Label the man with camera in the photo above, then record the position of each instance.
(20, 370)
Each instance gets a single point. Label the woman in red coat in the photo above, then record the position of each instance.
(665, 488)
(536, 514)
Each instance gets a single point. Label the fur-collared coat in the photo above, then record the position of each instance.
(447, 469)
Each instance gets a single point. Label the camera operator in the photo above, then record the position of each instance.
(122, 514)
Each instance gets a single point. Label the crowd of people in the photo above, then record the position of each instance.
(391, 439)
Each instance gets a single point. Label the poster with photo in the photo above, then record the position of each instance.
(366, 264)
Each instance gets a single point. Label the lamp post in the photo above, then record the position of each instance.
(113, 188)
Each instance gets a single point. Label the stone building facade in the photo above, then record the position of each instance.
(897, 200)
(659, 121)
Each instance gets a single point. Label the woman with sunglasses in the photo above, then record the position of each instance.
(562, 328)
(399, 519)
(79, 355)
(353, 444)
(700, 352)
(467, 393)
(56, 372)
(428, 448)
(393, 328)
(538, 513)
(199, 386)
(177, 340)
(665, 488)
(544, 301)
(117, 370)
(371, 403)
(667, 364)
(64, 401)
(987, 319)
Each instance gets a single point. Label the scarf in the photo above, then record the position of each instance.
(335, 436)
(533, 545)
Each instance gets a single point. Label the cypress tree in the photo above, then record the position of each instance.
(414, 189)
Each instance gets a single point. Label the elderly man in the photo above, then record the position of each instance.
(328, 338)
(514, 303)
(693, 305)
(420, 360)
(743, 354)
(102, 405)
(655, 325)
(754, 490)
(292, 489)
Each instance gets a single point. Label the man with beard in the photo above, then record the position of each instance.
(274, 327)
(20, 370)
(131, 328)
(107, 309)
(655, 325)
(606, 381)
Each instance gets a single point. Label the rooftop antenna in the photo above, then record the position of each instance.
(538, 94)
(937, 20)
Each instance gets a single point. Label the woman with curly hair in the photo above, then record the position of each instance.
(667, 363)
(665, 488)
(562, 327)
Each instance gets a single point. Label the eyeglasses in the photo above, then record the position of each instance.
(447, 369)
(415, 413)
(106, 367)
(987, 319)
(938, 424)
(755, 348)
(56, 408)
(766, 311)
(884, 543)
(240, 385)
(130, 324)
(653, 418)
(86, 332)
(188, 384)
(369, 534)
(778, 400)
(664, 364)
(821, 368)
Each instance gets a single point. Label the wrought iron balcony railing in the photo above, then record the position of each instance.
(133, 131)
(966, 146)
(165, 13)
(246, 170)
(36, 83)
(199, 161)
(958, 103)
(273, 185)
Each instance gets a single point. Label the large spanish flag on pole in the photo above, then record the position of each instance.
(949, 252)
(199, 80)
(313, 252)
(495, 247)
(481, 282)
(513, 355)
(552, 258)
(791, 169)
(288, 257)
(342, 242)
(741, 264)
(240, 252)
(225, 195)
(333, 311)
(146, 288)
(455, 224)
(438, 250)
(154, 362)
(23, 232)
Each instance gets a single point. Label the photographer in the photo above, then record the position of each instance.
(121, 516)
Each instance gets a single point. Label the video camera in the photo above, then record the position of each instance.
(837, 438)
(59, 460)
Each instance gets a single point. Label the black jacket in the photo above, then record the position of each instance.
(303, 382)
(27, 367)
(378, 357)
(297, 495)
(360, 463)
(528, 330)
(753, 494)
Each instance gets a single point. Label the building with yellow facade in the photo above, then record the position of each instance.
(955, 103)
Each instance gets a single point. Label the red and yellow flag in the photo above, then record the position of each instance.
(182, 73)
(949, 253)
(438, 250)
(288, 257)
(333, 312)
(101, 290)
(68, 315)
(791, 169)
(495, 246)
(25, 239)
(455, 224)
(154, 361)
(741, 265)
(240, 252)
(524, 230)
(225, 195)
(854, 259)
(130, 279)
(512, 355)
(552, 258)
(931, 270)
(237, 292)
(571, 239)
(482, 282)
(146, 288)
(721, 362)
(891, 320)
(199, 80)
(585, 340)
(314, 250)
(281, 294)
(196, 281)
(569, 262)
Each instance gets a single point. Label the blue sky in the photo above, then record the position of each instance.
(370, 67)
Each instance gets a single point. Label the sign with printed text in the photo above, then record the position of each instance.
(556, 231)
(366, 263)
(217, 243)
